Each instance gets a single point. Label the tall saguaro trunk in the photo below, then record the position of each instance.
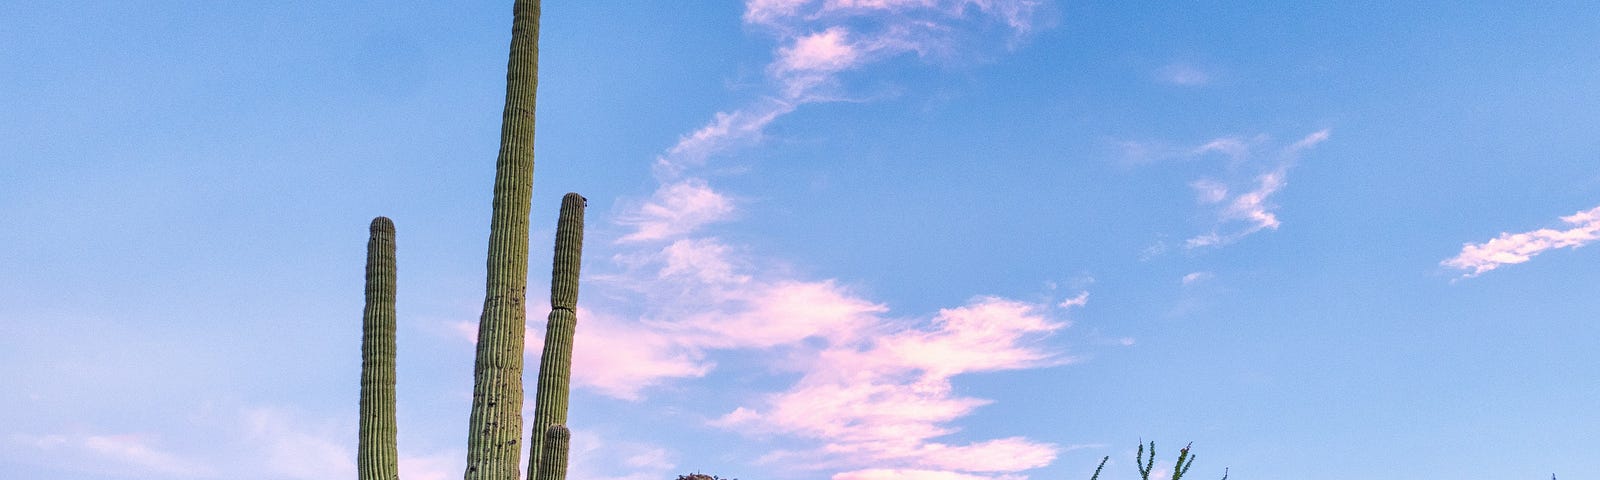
(495, 425)
(375, 455)
(555, 364)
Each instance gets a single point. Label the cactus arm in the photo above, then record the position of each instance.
(375, 454)
(1102, 466)
(555, 363)
(553, 456)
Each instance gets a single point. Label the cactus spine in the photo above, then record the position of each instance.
(495, 424)
(553, 456)
(375, 456)
(555, 364)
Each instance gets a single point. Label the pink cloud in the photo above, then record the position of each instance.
(825, 51)
(1514, 248)
(874, 389)
(887, 400)
(620, 359)
(675, 210)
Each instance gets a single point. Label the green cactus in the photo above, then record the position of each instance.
(555, 364)
(1146, 464)
(375, 455)
(553, 455)
(495, 425)
(1102, 466)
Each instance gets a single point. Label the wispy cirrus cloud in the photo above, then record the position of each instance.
(874, 387)
(886, 401)
(1243, 209)
(819, 41)
(1237, 200)
(1514, 248)
(676, 209)
(136, 453)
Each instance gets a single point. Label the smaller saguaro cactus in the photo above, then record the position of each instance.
(376, 458)
(555, 364)
(553, 458)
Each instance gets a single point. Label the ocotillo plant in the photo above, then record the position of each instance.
(1147, 464)
(553, 457)
(375, 452)
(495, 424)
(555, 364)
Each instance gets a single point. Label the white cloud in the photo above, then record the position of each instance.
(138, 453)
(290, 448)
(818, 40)
(1077, 301)
(726, 130)
(677, 209)
(1514, 248)
(1196, 277)
(1236, 148)
(593, 457)
(1209, 191)
(1245, 209)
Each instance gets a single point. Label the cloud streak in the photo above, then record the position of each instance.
(874, 388)
(112, 452)
(886, 401)
(819, 41)
(1514, 248)
(873, 391)
(1239, 214)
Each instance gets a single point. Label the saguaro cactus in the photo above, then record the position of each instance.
(553, 456)
(495, 424)
(555, 364)
(375, 454)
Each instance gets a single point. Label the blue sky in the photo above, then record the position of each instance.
(828, 239)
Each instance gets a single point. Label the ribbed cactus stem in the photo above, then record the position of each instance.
(553, 455)
(555, 364)
(375, 454)
(495, 426)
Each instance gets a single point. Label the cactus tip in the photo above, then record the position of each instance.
(574, 197)
(382, 224)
